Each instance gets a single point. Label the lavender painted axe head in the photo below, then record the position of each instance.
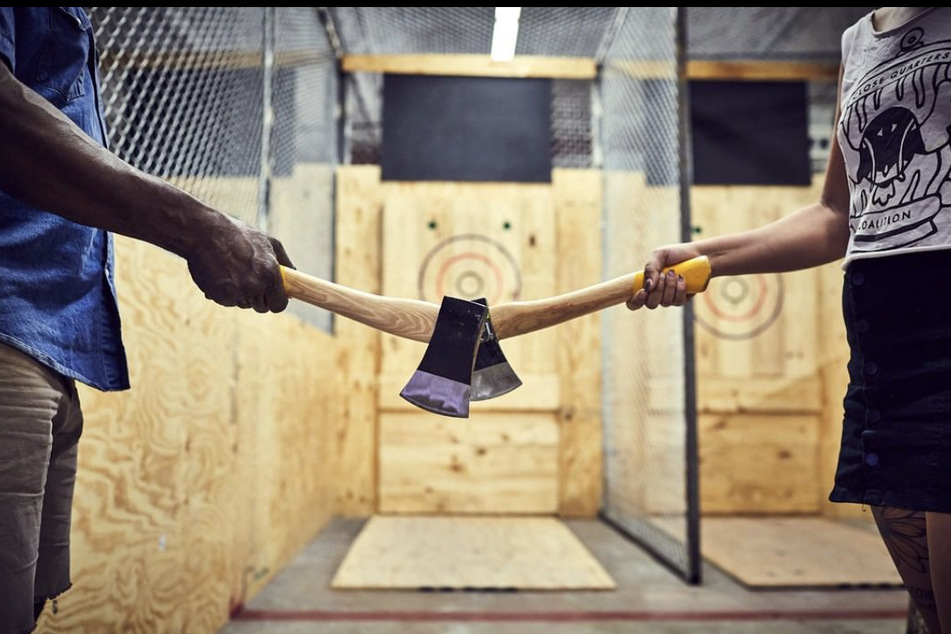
(442, 383)
(492, 376)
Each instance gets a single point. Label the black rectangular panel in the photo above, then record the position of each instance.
(750, 132)
(438, 128)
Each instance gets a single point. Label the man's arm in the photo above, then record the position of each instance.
(50, 163)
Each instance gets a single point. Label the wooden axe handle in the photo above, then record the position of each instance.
(408, 318)
(517, 318)
(416, 319)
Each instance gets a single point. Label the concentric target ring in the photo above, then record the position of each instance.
(740, 307)
(469, 266)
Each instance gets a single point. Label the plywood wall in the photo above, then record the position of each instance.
(197, 485)
(771, 356)
(502, 241)
(770, 352)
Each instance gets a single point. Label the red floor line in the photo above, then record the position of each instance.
(559, 617)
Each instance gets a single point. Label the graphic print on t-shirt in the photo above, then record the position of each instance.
(894, 137)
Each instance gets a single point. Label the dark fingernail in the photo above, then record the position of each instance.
(648, 285)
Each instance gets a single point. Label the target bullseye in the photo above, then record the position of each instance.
(469, 266)
(740, 307)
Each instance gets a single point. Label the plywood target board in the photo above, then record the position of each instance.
(470, 266)
(740, 307)
(468, 241)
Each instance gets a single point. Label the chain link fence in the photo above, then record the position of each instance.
(627, 124)
(543, 31)
(650, 457)
(236, 105)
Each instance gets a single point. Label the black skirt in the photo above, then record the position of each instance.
(896, 435)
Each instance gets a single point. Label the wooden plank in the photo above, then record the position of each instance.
(472, 553)
(741, 457)
(762, 70)
(578, 201)
(470, 240)
(772, 552)
(522, 66)
(796, 395)
(736, 70)
(759, 354)
(488, 463)
(645, 435)
(212, 59)
(197, 484)
(358, 266)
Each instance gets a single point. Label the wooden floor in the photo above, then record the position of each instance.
(466, 553)
(649, 599)
(776, 552)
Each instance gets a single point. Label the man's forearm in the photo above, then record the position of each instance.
(49, 162)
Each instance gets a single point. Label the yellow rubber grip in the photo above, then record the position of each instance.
(696, 273)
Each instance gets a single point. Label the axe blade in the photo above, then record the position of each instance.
(493, 375)
(443, 380)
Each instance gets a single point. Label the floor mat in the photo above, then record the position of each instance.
(469, 553)
(796, 552)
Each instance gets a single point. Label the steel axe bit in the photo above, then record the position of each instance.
(493, 376)
(442, 383)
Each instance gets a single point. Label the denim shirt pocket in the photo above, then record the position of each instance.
(60, 74)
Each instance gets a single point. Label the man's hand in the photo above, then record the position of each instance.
(240, 266)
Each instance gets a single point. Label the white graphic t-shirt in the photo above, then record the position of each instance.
(894, 134)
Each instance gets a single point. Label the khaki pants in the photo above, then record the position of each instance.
(40, 426)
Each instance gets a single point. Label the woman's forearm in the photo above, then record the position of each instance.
(808, 237)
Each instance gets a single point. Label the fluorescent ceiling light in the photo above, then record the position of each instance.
(505, 33)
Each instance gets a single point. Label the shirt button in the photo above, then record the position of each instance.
(858, 279)
(862, 326)
(870, 368)
(874, 415)
(871, 459)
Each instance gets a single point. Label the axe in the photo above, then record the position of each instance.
(449, 377)
(492, 376)
(442, 383)
(416, 319)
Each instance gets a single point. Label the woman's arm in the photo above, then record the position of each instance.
(807, 237)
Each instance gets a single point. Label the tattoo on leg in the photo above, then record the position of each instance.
(923, 598)
(905, 536)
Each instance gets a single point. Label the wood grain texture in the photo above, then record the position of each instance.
(644, 426)
(789, 553)
(495, 239)
(472, 66)
(578, 202)
(521, 553)
(761, 375)
(176, 473)
(358, 265)
(488, 463)
(759, 463)
(409, 318)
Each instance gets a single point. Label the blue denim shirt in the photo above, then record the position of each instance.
(57, 290)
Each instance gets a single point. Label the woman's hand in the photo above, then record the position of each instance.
(667, 289)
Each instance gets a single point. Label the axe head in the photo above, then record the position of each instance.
(443, 380)
(492, 376)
